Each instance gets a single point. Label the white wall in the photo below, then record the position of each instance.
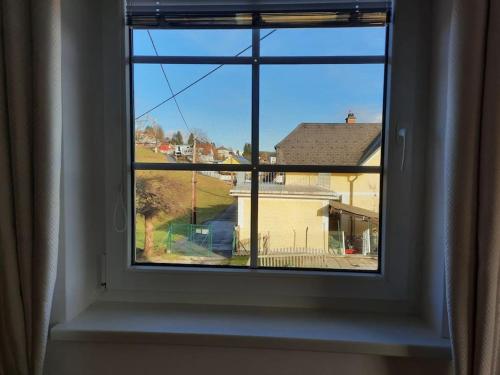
(82, 236)
(433, 278)
(129, 359)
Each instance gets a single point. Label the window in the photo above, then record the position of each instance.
(257, 139)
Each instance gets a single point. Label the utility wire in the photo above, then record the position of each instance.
(168, 83)
(210, 193)
(199, 79)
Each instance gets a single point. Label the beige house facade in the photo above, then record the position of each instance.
(305, 211)
(290, 217)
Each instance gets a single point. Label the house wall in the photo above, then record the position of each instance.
(222, 154)
(361, 190)
(374, 159)
(280, 216)
(365, 187)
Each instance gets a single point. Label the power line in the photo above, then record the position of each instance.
(199, 79)
(210, 193)
(168, 83)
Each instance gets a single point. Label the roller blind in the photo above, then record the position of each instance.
(246, 14)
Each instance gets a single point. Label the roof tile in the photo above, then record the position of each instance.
(327, 144)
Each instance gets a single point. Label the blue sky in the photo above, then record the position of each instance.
(220, 105)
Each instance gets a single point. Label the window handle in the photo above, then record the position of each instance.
(402, 137)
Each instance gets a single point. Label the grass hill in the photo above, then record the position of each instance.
(212, 198)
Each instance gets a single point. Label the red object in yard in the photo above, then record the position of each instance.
(351, 251)
(165, 148)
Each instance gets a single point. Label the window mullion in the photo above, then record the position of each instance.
(148, 166)
(254, 210)
(225, 60)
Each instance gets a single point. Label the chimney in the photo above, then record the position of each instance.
(350, 119)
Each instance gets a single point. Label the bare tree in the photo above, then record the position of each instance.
(200, 135)
(155, 131)
(150, 127)
(155, 195)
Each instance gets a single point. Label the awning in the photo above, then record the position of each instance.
(336, 206)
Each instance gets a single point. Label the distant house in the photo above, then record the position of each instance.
(205, 152)
(325, 211)
(235, 159)
(183, 150)
(144, 139)
(223, 153)
(267, 157)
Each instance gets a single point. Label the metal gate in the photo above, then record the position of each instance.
(189, 239)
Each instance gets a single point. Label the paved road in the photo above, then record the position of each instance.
(222, 229)
(170, 159)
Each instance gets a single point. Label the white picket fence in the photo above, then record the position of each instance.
(294, 257)
(293, 260)
(295, 250)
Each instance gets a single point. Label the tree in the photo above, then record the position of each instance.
(200, 136)
(154, 195)
(155, 131)
(177, 138)
(150, 128)
(159, 134)
(191, 139)
(247, 151)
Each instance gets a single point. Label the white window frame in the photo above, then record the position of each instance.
(393, 289)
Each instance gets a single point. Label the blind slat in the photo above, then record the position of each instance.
(194, 14)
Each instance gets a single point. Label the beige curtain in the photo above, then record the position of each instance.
(472, 182)
(30, 164)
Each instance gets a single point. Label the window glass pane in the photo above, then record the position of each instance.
(321, 114)
(318, 220)
(215, 124)
(166, 231)
(193, 42)
(349, 41)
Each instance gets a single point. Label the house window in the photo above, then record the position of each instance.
(257, 137)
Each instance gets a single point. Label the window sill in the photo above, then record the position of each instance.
(270, 328)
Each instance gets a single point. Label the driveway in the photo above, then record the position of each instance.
(222, 229)
(170, 159)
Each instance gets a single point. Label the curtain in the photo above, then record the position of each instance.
(30, 164)
(472, 183)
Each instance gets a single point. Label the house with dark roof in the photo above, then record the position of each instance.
(339, 144)
(330, 212)
(329, 144)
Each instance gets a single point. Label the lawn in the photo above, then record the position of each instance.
(146, 155)
(212, 198)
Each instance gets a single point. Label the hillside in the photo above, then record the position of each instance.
(212, 198)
